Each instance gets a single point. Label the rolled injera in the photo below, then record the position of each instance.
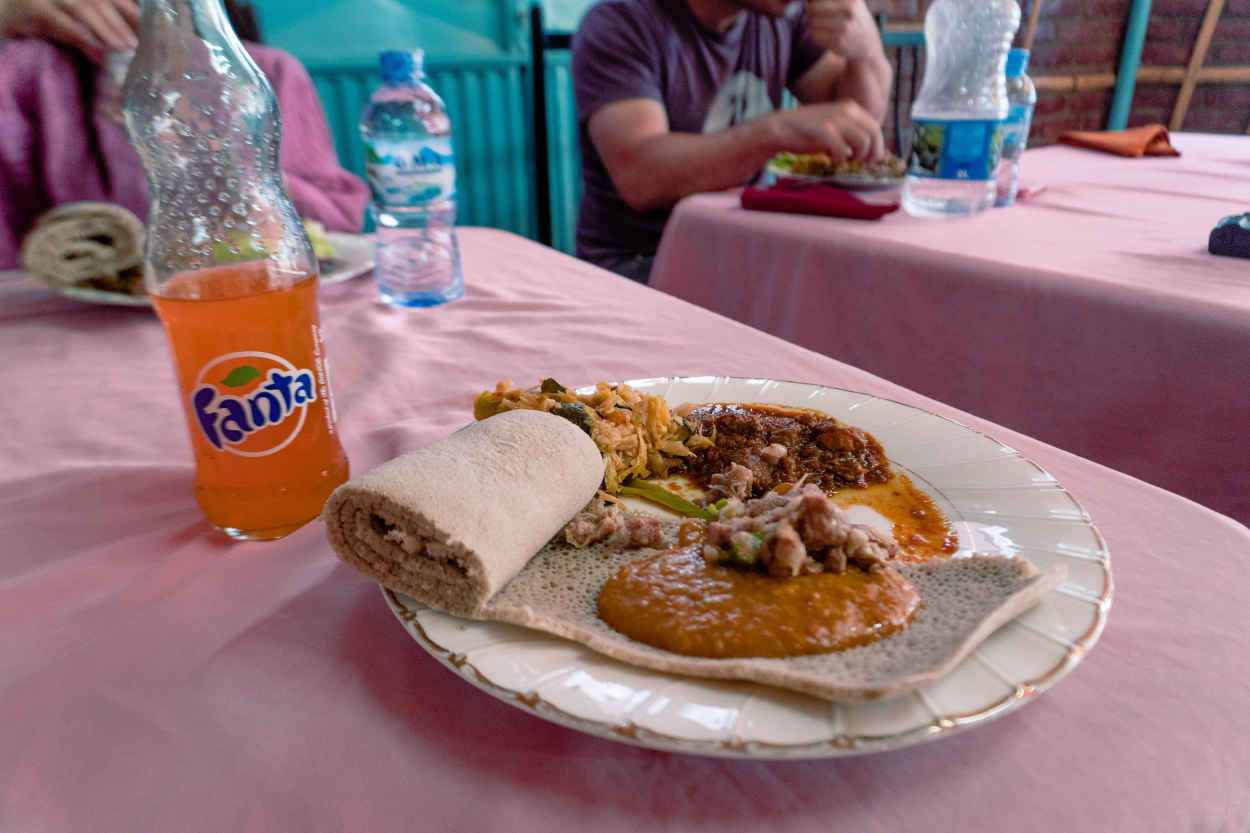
(451, 523)
(86, 241)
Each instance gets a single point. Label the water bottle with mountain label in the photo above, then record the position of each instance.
(957, 118)
(412, 173)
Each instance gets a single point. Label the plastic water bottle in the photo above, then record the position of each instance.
(1021, 96)
(957, 118)
(412, 173)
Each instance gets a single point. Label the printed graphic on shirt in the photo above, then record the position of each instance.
(743, 96)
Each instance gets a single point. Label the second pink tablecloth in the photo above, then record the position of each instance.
(1090, 317)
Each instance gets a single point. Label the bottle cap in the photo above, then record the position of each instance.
(400, 67)
(1017, 62)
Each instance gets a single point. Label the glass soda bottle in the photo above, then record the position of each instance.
(412, 173)
(957, 117)
(1021, 96)
(231, 273)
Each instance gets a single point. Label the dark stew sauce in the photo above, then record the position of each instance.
(831, 455)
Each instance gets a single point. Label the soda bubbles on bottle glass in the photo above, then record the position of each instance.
(231, 272)
(412, 173)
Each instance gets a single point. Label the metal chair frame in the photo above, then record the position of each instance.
(909, 39)
(540, 41)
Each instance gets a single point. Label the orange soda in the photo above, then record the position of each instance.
(251, 366)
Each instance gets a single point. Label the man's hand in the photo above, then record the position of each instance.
(844, 27)
(653, 167)
(95, 27)
(842, 129)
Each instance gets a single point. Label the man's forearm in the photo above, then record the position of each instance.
(867, 81)
(667, 167)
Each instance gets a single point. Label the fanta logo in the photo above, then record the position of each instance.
(244, 402)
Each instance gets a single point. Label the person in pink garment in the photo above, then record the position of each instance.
(62, 139)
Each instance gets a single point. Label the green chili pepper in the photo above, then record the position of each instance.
(576, 413)
(662, 496)
(550, 386)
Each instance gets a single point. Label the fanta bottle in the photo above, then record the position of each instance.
(231, 272)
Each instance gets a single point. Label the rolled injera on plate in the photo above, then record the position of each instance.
(86, 241)
(451, 523)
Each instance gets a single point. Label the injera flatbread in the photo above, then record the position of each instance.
(82, 240)
(454, 521)
(965, 600)
(465, 526)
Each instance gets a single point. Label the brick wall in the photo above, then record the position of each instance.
(1083, 37)
(1074, 37)
(1215, 108)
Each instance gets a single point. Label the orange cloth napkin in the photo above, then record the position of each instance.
(1150, 140)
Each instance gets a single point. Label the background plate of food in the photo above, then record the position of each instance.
(93, 252)
(849, 175)
(342, 256)
(989, 503)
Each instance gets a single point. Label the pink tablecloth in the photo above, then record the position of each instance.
(154, 676)
(1091, 317)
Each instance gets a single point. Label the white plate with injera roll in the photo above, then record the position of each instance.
(997, 502)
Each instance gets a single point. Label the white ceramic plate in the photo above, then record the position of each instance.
(357, 250)
(998, 502)
(99, 296)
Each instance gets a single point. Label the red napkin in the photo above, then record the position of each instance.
(1150, 140)
(813, 198)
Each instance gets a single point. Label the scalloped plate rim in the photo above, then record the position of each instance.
(842, 745)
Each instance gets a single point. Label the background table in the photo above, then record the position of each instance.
(155, 676)
(1090, 317)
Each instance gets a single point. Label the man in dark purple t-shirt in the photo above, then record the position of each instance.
(675, 97)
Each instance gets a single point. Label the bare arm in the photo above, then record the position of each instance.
(94, 27)
(652, 167)
(855, 68)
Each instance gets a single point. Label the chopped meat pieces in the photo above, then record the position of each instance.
(868, 546)
(786, 550)
(773, 453)
(830, 454)
(717, 534)
(764, 505)
(625, 530)
(735, 482)
(643, 531)
(818, 521)
(799, 533)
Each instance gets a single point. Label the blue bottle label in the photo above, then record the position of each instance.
(955, 149)
(411, 172)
